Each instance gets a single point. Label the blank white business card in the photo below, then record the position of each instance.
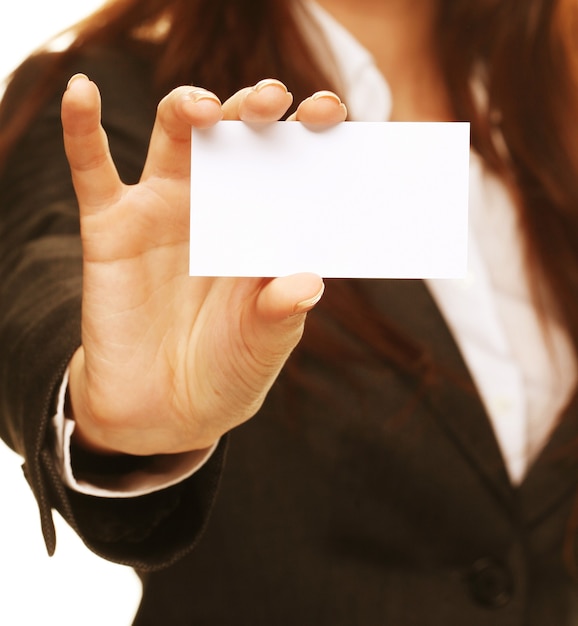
(357, 200)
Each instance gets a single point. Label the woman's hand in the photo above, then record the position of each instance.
(168, 362)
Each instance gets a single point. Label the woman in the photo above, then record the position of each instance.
(431, 477)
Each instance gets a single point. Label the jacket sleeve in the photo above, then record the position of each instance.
(40, 302)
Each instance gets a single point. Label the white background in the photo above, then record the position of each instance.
(74, 588)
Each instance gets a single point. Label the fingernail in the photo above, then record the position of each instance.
(307, 305)
(269, 82)
(196, 95)
(75, 78)
(326, 94)
(330, 96)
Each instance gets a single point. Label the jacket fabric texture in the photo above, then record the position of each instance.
(357, 495)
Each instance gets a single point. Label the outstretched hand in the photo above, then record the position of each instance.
(168, 363)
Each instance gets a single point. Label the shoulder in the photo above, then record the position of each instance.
(120, 72)
(124, 78)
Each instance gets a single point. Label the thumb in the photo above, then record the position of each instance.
(285, 299)
(279, 320)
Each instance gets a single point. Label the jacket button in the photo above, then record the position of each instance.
(490, 583)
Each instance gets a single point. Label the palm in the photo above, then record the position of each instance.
(168, 362)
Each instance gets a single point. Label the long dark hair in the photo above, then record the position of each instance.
(523, 51)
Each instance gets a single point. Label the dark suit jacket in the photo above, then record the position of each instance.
(354, 497)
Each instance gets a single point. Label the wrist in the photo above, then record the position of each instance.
(85, 436)
(104, 432)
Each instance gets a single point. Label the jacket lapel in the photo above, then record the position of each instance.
(554, 475)
(457, 406)
(454, 401)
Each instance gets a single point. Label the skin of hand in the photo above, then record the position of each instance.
(169, 362)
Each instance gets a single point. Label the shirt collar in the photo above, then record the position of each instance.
(364, 89)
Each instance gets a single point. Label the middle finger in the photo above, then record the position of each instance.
(267, 101)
